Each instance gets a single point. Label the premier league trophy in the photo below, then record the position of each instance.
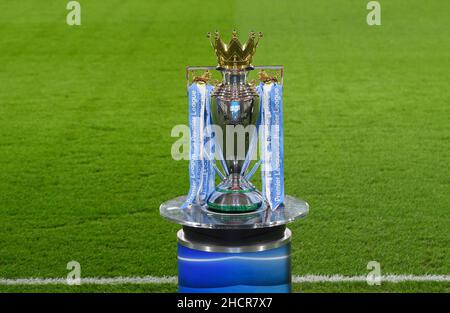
(234, 237)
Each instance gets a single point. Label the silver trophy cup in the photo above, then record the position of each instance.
(235, 103)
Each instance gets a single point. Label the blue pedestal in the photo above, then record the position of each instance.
(234, 253)
(263, 271)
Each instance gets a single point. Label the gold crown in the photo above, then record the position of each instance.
(234, 54)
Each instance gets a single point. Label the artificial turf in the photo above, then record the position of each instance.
(86, 114)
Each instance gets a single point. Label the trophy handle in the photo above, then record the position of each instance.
(192, 72)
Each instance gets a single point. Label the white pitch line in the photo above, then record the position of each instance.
(173, 279)
(91, 280)
(362, 278)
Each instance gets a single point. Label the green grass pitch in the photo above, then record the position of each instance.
(86, 113)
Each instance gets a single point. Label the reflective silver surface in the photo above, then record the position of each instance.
(254, 247)
(235, 102)
(198, 216)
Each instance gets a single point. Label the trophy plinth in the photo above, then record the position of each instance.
(200, 217)
(229, 252)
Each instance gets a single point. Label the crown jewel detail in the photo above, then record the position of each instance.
(234, 54)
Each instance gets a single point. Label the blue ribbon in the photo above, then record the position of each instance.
(201, 162)
(271, 143)
(270, 125)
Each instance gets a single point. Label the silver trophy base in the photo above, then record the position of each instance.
(201, 217)
(235, 195)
